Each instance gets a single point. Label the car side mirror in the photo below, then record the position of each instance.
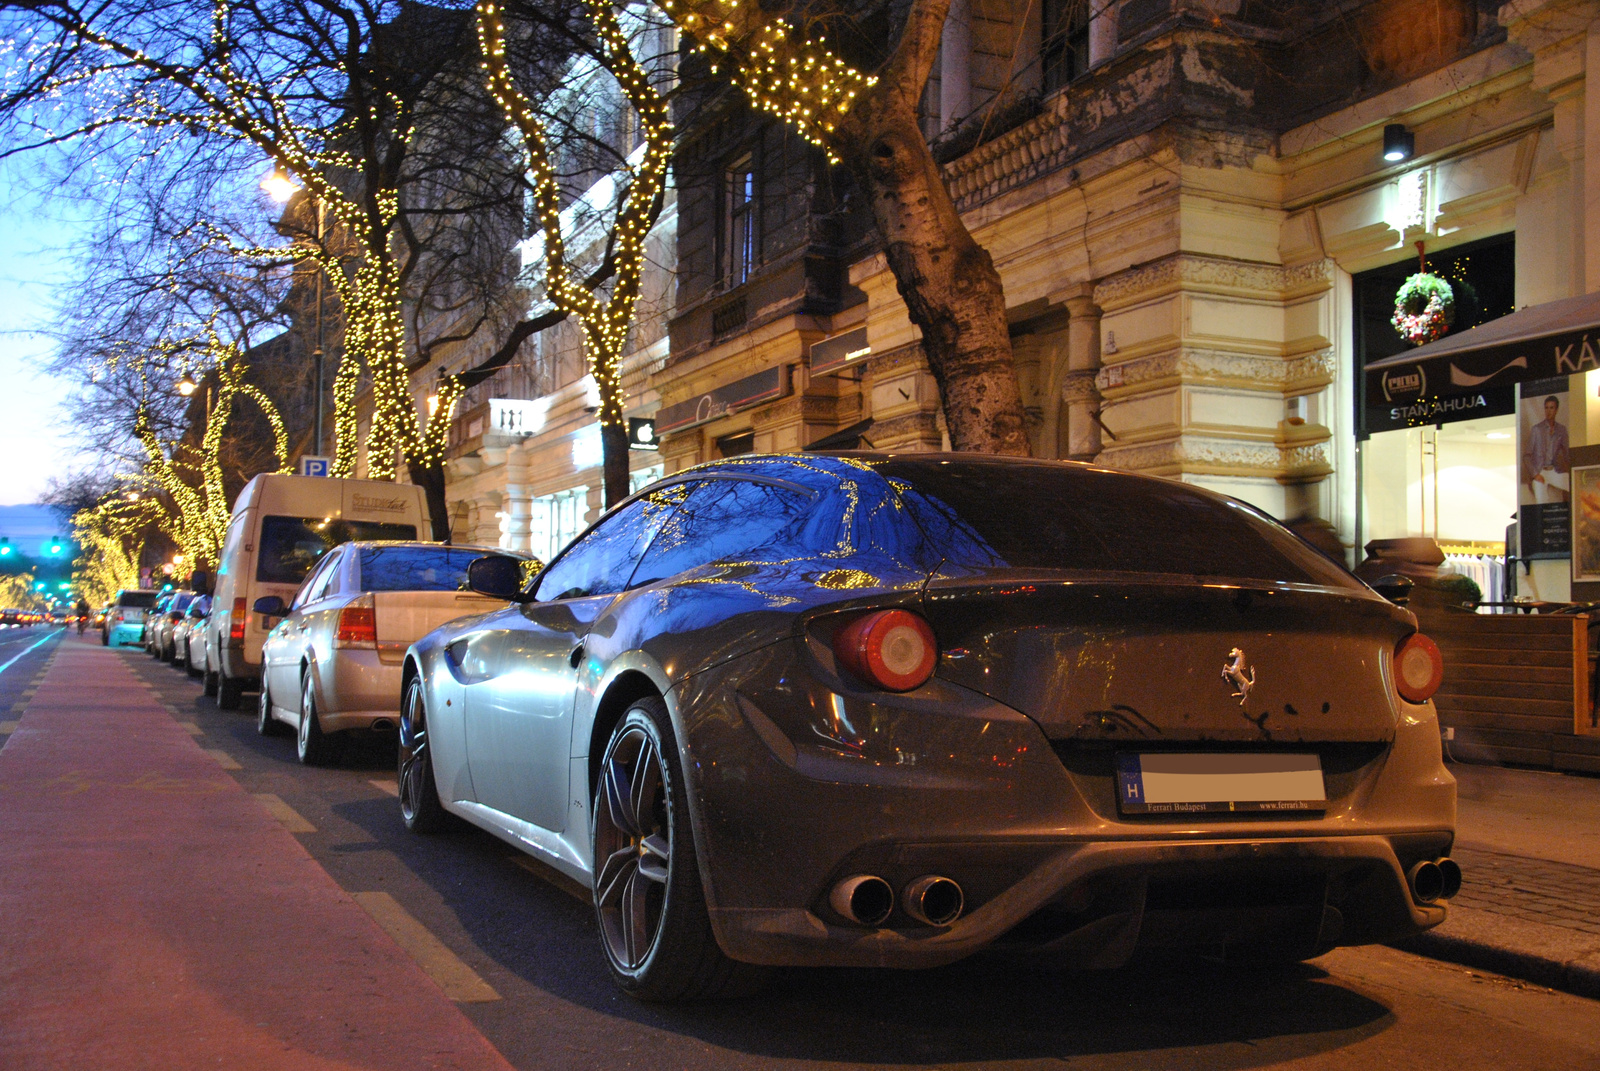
(271, 606)
(497, 576)
(1394, 587)
(200, 582)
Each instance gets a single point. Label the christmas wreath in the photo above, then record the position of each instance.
(1424, 309)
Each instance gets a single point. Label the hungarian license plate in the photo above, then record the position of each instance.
(1185, 783)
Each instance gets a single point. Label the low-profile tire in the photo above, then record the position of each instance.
(229, 691)
(208, 682)
(105, 638)
(266, 724)
(313, 746)
(188, 663)
(420, 807)
(648, 899)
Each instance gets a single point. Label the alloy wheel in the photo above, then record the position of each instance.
(413, 755)
(633, 841)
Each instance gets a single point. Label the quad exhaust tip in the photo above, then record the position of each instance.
(863, 898)
(1433, 880)
(933, 900)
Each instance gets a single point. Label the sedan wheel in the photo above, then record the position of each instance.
(266, 724)
(314, 747)
(208, 682)
(652, 911)
(419, 793)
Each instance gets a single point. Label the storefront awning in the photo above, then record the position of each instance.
(1558, 338)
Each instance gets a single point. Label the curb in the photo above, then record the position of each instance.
(1552, 973)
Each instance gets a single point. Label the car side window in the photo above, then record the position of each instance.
(727, 520)
(317, 583)
(602, 560)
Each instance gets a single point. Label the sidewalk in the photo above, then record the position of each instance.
(1528, 842)
(154, 915)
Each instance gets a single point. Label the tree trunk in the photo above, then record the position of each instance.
(614, 451)
(948, 282)
(430, 477)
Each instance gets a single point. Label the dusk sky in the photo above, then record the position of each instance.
(37, 440)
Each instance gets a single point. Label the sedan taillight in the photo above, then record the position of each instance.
(236, 622)
(893, 649)
(1418, 668)
(358, 627)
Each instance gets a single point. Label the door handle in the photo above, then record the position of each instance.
(576, 656)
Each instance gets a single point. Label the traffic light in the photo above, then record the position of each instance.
(5, 547)
(55, 545)
(642, 434)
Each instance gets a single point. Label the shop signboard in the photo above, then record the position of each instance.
(1435, 410)
(1544, 478)
(740, 394)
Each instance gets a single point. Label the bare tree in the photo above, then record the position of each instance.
(864, 114)
(375, 110)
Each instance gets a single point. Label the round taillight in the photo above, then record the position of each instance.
(1418, 668)
(894, 649)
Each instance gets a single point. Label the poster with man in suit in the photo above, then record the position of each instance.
(1544, 511)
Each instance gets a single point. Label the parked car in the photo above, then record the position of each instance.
(332, 664)
(281, 527)
(169, 610)
(124, 622)
(188, 630)
(890, 710)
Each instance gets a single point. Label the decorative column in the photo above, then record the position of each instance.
(1078, 391)
(515, 505)
(955, 64)
(1102, 31)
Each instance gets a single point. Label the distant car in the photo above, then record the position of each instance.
(331, 665)
(893, 710)
(168, 612)
(124, 621)
(187, 633)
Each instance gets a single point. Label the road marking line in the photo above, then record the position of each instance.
(8, 665)
(225, 760)
(284, 813)
(9, 726)
(459, 981)
(391, 787)
(190, 728)
(553, 877)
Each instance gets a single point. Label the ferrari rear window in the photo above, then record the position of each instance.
(988, 514)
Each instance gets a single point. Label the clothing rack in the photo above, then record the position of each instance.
(1485, 565)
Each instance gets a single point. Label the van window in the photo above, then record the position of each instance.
(137, 599)
(290, 546)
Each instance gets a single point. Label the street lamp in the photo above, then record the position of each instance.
(280, 186)
(187, 386)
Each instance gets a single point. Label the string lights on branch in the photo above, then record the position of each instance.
(605, 322)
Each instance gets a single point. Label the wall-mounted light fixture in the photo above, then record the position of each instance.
(1398, 143)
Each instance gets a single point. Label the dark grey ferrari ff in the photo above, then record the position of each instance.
(892, 710)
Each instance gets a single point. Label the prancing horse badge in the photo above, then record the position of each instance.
(1233, 672)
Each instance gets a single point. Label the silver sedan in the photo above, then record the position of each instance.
(332, 665)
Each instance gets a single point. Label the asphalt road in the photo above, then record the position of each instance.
(525, 933)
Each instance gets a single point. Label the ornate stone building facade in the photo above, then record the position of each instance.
(1177, 226)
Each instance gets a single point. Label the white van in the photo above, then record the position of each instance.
(281, 527)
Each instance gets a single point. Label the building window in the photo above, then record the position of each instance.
(1065, 50)
(639, 479)
(743, 442)
(555, 520)
(740, 240)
